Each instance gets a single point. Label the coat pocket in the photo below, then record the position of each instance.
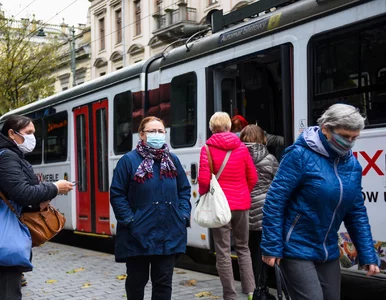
(292, 227)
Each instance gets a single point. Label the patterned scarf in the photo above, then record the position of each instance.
(145, 169)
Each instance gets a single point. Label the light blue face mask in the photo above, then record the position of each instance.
(155, 140)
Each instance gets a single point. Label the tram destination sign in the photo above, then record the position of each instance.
(249, 30)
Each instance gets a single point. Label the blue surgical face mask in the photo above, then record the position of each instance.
(340, 144)
(155, 140)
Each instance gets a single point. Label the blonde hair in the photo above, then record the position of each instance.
(252, 134)
(220, 122)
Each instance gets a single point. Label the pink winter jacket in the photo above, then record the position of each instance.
(239, 175)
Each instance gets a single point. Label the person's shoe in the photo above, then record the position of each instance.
(250, 296)
(24, 281)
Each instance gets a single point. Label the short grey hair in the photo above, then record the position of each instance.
(220, 122)
(342, 116)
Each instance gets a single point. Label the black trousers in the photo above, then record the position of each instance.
(10, 285)
(257, 261)
(161, 273)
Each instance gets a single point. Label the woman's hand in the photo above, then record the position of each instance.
(371, 269)
(270, 260)
(64, 186)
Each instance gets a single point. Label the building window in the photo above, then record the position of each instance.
(102, 74)
(80, 76)
(137, 5)
(118, 20)
(64, 81)
(183, 131)
(102, 34)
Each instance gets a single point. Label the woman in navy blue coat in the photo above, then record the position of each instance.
(150, 196)
(317, 187)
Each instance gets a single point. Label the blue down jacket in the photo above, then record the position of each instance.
(313, 191)
(152, 216)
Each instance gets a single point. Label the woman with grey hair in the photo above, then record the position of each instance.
(317, 187)
(237, 181)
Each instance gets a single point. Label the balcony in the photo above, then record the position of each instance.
(171, 23)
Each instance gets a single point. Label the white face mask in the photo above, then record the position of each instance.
(29, 143)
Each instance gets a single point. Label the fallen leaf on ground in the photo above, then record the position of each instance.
(180, 272)
(51, 281)
(75, 271)
(86, 285)
(121, 277)
(206, 295)
(189, 282)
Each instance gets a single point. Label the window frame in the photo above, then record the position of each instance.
(195, 122)
(45, 137)
(115, 121)
(118, 24)
(102, 43)
(354, 29)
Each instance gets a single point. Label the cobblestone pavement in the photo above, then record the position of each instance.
(63, 272)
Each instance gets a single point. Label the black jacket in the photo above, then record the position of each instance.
(18, 181)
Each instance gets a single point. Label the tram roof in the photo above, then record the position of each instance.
(280, 19)
(83, 89)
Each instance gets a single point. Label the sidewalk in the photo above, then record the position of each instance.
(63, 272)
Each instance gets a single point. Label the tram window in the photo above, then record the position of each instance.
(183, 131)
(347, 68)
(81, 152)
(123, 123)
(102, 153)
(35, 157)
(159, 103)
(55, 137)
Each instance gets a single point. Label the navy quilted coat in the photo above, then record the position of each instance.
(313, 192)
(152, 216)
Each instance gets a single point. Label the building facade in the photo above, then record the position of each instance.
(124, 32)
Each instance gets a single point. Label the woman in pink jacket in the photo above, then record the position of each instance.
(237, 181)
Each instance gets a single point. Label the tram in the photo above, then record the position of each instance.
(280, 70)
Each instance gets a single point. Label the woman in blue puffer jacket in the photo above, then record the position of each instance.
(317, 187)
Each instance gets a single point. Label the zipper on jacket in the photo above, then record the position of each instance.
(336, 208)
(292, 227)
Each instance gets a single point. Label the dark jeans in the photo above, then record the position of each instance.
(161, 272)
(307, 280)
(10, 285)
(254, 248)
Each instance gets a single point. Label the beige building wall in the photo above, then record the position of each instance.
(149, 26)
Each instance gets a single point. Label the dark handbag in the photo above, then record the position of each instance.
(43, 225)
(280, 284)
(261, 291)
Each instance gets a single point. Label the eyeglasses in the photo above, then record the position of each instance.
(153, 131)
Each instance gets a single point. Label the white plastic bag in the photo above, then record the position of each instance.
(213, 209)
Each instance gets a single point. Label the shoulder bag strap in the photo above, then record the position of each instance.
(9, 204)
(280, 284)
(209, 159)
(223, 164)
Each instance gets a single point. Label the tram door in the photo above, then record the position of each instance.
(91, 152)
(258, 87)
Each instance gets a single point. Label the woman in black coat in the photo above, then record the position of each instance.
(19, 184)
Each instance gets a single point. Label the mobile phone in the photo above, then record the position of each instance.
(75, 182)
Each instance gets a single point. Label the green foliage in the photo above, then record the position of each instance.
(26, 64)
